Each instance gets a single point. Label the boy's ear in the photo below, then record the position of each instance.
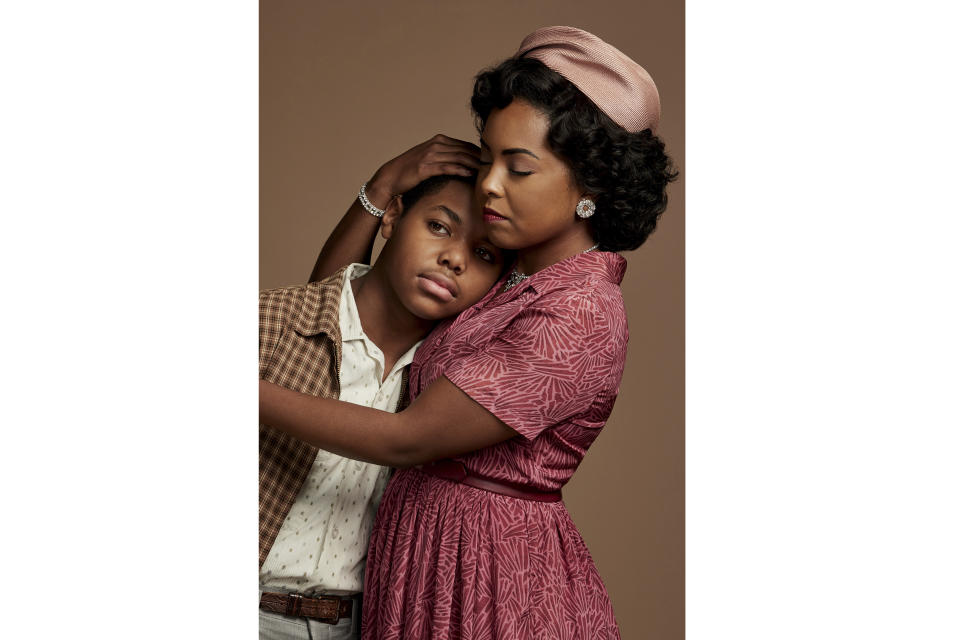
(394, 210)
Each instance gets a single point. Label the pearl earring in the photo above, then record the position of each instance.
(585, 208)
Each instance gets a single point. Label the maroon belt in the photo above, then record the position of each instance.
(324, 608)
(456, 471)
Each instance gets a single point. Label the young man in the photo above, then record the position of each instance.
(351, 336)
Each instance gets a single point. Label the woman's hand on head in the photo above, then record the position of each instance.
(440, 155)
(352, 239)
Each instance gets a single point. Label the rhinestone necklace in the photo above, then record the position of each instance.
(515, 277)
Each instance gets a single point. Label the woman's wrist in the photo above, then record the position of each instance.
(378, 192)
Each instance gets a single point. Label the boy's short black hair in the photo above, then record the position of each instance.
(627, 173)
(432, 185)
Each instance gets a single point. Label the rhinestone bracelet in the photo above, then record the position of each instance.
(369, 206)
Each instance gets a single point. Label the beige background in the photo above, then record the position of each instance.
(346, 86)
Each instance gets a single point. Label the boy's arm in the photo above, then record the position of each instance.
(352, 239)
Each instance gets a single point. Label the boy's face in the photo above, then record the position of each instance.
(438, 259)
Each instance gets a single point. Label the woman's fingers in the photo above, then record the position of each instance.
(438, 155)
(446, 168)
(455, 143)
(456, 157)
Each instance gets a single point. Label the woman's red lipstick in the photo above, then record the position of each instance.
(490, 215)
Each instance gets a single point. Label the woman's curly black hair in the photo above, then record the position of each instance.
(627, 173)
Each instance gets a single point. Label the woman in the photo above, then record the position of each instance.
(481, 546)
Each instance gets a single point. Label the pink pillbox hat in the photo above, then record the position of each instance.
(622, 89)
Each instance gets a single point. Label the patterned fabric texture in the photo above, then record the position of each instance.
(300, 349)
(451, 561)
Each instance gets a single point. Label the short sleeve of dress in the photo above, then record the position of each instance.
(550, 364)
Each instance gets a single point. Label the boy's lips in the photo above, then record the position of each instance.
(439, 285)
(491, 215)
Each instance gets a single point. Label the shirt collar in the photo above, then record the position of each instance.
(407, 357)
(351, 328)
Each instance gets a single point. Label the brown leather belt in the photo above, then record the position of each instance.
(324, 608)
(456, 471)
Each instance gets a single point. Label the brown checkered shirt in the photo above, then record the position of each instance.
(300, 349)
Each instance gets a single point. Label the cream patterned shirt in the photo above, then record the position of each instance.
(321, 547)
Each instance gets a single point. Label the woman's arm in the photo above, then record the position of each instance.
(441, 422)
(352, 239)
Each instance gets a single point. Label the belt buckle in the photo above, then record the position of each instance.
(335, 618)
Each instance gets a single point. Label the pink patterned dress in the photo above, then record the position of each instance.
(451, 561)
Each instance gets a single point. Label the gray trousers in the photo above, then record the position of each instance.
(276, 626)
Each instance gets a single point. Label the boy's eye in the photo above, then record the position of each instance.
(437, 227)
(486, 254)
